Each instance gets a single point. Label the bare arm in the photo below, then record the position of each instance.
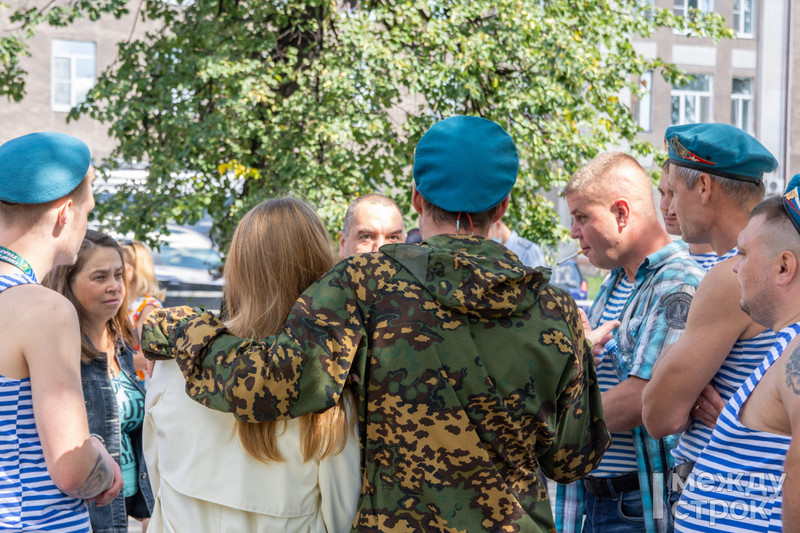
(714, 324)
(790, 396)
(79, 465)
(622, 405)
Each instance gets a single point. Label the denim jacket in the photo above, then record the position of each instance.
(101, 407)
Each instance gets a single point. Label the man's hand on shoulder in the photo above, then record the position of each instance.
(161, 328)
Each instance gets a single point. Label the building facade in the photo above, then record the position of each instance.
(746, 81)
(63, 65)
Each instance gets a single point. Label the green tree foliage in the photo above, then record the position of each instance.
(234, 101)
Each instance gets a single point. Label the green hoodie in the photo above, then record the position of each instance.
(471, 375)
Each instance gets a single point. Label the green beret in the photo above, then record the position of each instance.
(719, 149)
(791, 201)
(465, 164)
(40, 167)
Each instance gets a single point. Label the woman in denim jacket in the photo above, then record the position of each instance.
(113, 394)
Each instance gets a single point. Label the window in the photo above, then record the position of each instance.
(646, 8)
(742, 104)
(682, 8)
(643, 103)
(691, 102)
(73, 70)
(743, 17)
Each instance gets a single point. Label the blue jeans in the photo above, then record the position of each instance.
(621, 513)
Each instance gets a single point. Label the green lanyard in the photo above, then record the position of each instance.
(13, 258)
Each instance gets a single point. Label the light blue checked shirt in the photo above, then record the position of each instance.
(653, 318)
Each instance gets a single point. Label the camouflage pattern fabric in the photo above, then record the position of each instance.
(471, 374)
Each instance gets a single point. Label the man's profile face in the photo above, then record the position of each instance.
(754, 268)
(373, 225)
(665, 205)
(596, 229)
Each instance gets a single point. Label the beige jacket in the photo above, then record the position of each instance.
(204, 481)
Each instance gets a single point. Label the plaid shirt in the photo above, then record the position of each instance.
(653, 318)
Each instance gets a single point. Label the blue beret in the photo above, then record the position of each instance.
(719, 149)
(791, 201)
(40, 167)
(465, 164)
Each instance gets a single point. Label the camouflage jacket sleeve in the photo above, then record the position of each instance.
(301, 369)
(580, 436)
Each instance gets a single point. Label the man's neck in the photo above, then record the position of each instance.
(726, 228)
(40, 259)
(789, 315)
(648, 242)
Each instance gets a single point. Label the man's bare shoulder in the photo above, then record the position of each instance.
(35, 306)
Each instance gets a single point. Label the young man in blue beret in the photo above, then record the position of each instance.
(45, 197)
(716, 176)
(647, 294)
(470, 371)
(749, 471)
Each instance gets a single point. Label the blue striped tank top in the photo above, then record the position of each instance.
(620, 458)
(745, 357)
(29, 500)
(706, 261)
(736, 484)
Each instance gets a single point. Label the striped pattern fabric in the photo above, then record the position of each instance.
(736, 484)
(706, 261)
(744, 358)
(29, 500)
(620, 458)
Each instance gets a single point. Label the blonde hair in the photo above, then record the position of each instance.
(138, 255)
(279, 248)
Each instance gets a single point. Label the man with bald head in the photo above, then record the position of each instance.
(738, 477)
(647, 294)
(371, 221)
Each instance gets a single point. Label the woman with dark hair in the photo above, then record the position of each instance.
(113, 394)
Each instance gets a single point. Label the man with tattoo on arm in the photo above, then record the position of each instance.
(716, 178)
(738, 479)
(45, 197)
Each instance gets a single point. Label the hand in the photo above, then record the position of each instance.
(600, 336)
(159, 329)
(708, 406)
(108, 495)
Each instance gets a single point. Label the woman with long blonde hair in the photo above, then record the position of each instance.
(212, 473)
(144, 293)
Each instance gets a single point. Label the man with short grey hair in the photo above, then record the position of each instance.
(371, 221)
(716, 177)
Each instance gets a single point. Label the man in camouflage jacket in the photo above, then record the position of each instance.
(471, 372)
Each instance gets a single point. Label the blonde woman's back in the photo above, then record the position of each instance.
(205, 482)
(211, 473)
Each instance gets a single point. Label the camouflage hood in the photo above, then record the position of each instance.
(472, 275)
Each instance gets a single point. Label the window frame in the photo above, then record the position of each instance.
(59, 49)
(683, 93)
(739, 101)
(739, 12)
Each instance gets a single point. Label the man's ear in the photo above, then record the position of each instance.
(704, 186)
(787, 268)
(621, 209)
(501, 209)
(342, 240)
(63, 215)
(416, 199)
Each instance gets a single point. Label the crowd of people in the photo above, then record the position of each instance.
(434, 381)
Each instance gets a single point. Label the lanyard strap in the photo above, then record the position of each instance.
(13, 258)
